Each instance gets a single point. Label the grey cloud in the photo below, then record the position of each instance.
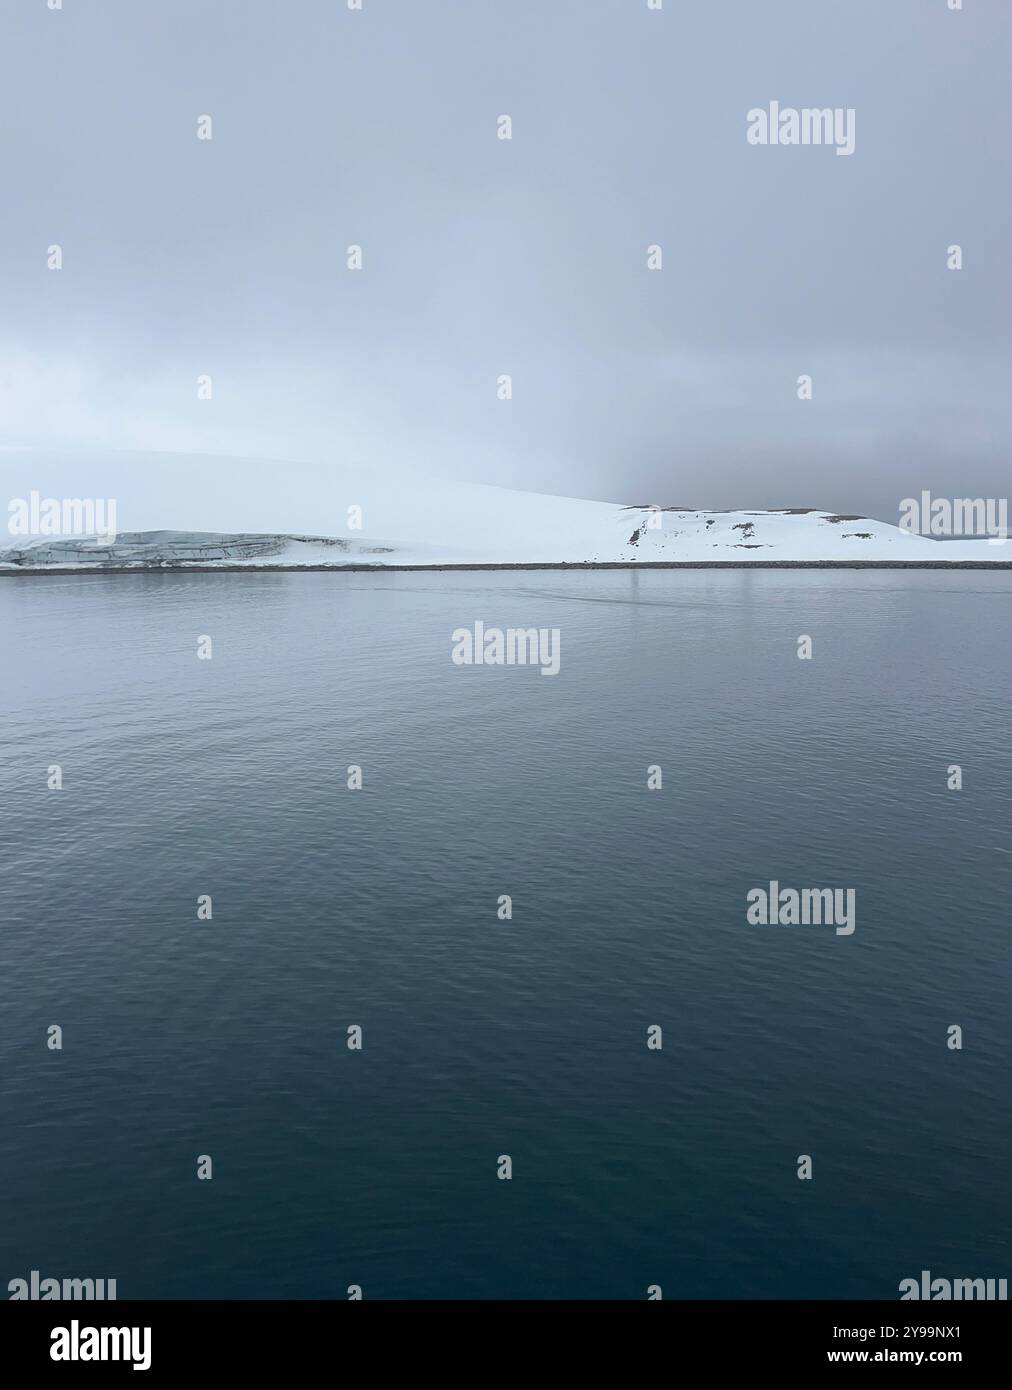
(525, 257)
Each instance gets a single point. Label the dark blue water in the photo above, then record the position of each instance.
(481, 1037)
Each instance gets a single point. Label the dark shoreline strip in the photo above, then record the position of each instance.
(80, 570)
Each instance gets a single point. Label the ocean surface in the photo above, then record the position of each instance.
(377, 907)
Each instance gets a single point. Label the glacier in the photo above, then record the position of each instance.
(608, 535)
(182, 511)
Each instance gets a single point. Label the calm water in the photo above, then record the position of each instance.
(482, 1037)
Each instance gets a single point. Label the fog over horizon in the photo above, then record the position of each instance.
(528, 257)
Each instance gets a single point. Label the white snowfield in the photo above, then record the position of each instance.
(253, 513)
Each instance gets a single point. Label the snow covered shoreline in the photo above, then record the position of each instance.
(79, 571)
(338, 519)
(693, 540)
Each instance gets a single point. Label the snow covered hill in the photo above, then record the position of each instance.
(257, 513)
(615, 535)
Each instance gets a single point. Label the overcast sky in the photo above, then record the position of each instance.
(483, 256)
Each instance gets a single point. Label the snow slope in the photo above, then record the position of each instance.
(253, 512)
(609, 535)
